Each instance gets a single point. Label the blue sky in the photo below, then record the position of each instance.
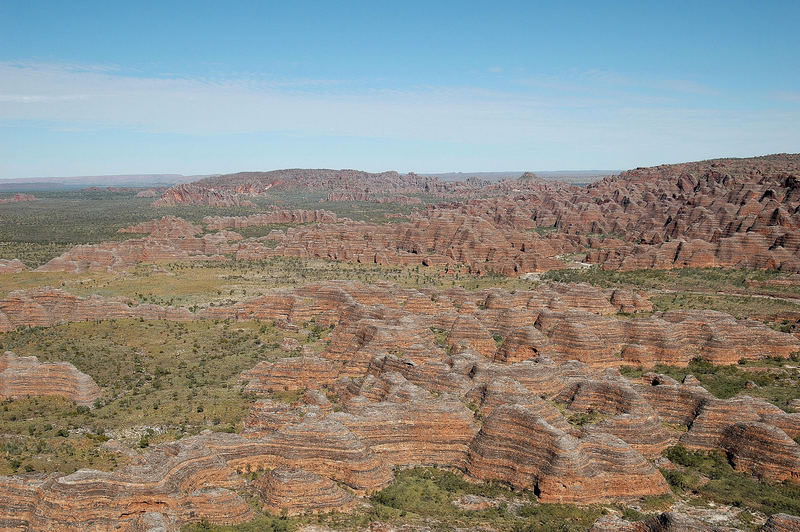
(205, 87)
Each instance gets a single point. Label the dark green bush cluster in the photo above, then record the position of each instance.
(726, 486)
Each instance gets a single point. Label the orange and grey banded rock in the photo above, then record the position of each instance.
(297, 491)
(517, 446)
(27, 377)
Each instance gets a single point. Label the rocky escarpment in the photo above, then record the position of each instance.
(728, 212)
(358, 184)
(435, 239)
(363, 196)
(721, 213)
(192, 194)
(515, 327)
(501, 326)
(26, 376)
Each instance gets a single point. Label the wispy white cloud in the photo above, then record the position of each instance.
(595, 111)
(622, 85)
(39, 98)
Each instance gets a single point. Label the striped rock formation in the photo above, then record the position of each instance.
(166, 227)
(111, 256)
(192, 194)
(26, 376)
(47, 306)
(781, 523)
(293, 216)
(12, 266)
(297, 491)
(190, 480)
(756, 436)
(665, 522)
(519, 447)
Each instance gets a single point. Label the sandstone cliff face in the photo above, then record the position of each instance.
(358, 184)
(729, 213)
(781, 523)
(665, 522)
(438, 238)
(505, 327)
(26, 376)
(725, 212)
(517, 446)
(192, 194)
(194, 479)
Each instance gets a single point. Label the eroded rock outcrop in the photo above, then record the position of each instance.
(166, 227)
(18, 198)
(295, 216)
(665, 522)
(192, 194)
(781, 523)
(47, 306)
(12, 266)
(171, 240)
(517, 446)
(26, 376)
(297, 491)
(756, 436)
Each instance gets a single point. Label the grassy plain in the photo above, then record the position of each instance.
(161, 380)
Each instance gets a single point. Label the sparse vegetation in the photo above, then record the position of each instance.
(171, 378)
(774, 380)
(425, 497)
(709, 475)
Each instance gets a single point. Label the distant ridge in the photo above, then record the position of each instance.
(569, 176)
(141, 180)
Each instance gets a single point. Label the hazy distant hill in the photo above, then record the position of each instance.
(129, 180)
